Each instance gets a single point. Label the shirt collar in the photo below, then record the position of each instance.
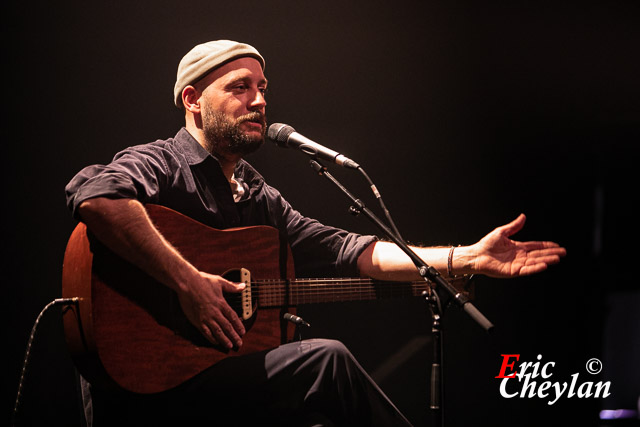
(193, 151)
(196, 154)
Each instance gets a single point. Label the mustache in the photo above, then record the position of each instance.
(255, 116)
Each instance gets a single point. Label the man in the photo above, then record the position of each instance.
(201, 172)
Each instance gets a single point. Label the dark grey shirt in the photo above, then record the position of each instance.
(179, 174)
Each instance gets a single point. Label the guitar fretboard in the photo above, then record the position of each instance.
(276, 293)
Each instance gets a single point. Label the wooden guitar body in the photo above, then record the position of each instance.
(129, 331)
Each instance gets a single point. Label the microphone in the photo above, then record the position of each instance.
(286, 136)
(295, 319)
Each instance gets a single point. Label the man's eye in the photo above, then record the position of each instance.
(263, 90)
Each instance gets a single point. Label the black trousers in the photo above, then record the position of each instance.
(308, 383)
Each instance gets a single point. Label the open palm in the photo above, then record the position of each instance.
(499, 256)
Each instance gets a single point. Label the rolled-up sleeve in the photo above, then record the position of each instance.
(319, 250)
(134, 174)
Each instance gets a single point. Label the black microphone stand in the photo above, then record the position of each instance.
(429, 274)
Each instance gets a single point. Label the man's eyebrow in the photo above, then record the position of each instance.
(246, 79)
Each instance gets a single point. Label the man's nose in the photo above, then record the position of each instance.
(258, 101)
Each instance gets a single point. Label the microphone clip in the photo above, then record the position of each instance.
(357, 207)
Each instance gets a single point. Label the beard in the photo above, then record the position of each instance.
(223, 135)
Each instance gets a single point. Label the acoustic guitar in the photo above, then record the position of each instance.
(128, 331)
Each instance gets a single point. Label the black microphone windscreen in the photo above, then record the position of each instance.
(279, 133)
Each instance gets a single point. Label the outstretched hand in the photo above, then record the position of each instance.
(499, 256)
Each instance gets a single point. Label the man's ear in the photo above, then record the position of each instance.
(191, 99)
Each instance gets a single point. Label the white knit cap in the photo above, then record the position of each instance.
(203, 58)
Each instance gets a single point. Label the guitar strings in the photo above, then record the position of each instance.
(274, 292)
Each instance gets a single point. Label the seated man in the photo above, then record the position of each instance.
(201, 173)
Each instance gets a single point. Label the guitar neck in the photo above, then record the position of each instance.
(277, 293)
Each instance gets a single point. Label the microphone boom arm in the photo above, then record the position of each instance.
(426, 272)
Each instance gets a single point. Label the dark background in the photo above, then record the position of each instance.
(463, 113)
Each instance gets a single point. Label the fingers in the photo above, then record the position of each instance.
(528, 270)
(228, 286)
(229, 314)
(542, 248)
(514, 226)
(535, 248)
(535, 245)
(543, 251)
(226, 332)
(226, 326)
(210, 312)
(538, 260)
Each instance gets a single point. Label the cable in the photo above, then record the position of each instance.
(59, 301)
(382, 205)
